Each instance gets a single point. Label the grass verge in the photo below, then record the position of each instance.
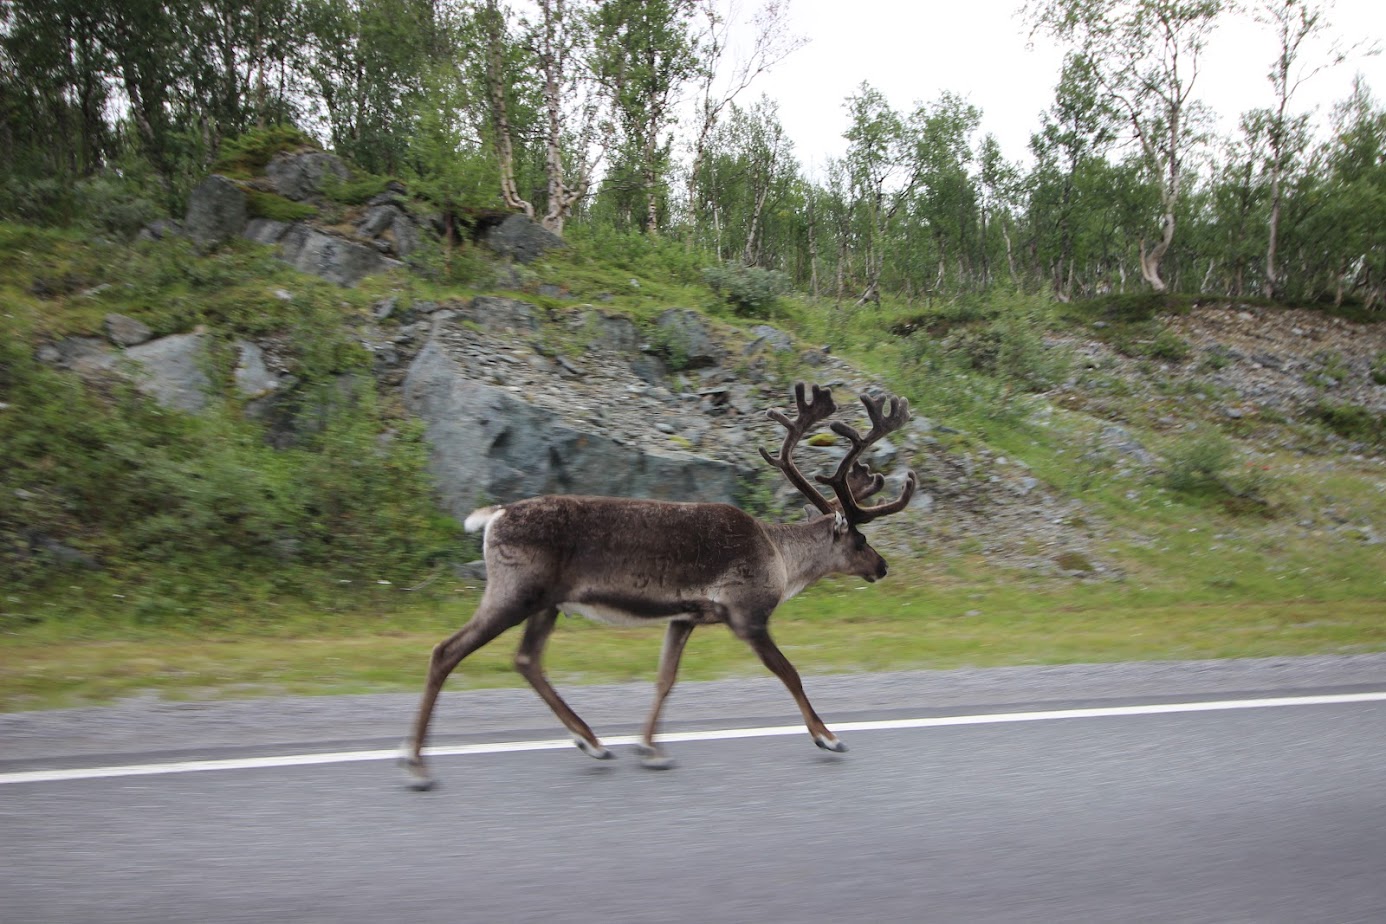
(837, 627)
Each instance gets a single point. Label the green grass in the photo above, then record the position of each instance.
(837, 627)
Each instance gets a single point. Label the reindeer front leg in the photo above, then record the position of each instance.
(758, 637)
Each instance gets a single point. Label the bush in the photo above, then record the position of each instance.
(357, 190)
(261, 204)
(635, 252)
(247, 155)
(1351, 422)
(1168, 346)
(1199, 463)
(1010, 350)
(749, 290)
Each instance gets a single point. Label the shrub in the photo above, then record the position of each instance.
(1378, 369)
(749, 290)
(261, 204)
(246, 155)
(356, 190)
(1331, 370)
(1199, 463)
(1351, 421)
(1009, 348)
(1168, 346)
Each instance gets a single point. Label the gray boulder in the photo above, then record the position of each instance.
(172, 371)
(302, 176)
(499, 315)
(406, 235)
(608, 331)
(334, 259)
(686, 341)
(83, 355)
(216, 211)
(488, 444)
(378, 220)
(771, 337)
(265, 230)
(522, 239)
(253, 377)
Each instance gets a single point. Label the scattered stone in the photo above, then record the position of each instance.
(125, 331)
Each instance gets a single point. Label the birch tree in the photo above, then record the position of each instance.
(1145, 60)
(1296, 24)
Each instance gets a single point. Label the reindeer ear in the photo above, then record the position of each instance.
(840, 524)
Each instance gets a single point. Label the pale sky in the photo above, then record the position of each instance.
(914, 50)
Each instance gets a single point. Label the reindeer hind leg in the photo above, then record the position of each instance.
(528, 661)
(485, 625)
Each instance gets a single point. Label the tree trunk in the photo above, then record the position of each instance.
(500, 113)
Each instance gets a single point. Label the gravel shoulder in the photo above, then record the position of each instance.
(149, 726)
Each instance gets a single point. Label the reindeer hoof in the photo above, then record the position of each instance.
(415, 775)
(830, 744)
(593, 750)
(653, 758)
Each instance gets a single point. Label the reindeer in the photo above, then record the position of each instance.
(636, 562)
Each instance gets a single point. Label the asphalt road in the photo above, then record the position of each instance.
(1274, 814)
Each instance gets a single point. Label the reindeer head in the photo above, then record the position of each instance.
(853, 482)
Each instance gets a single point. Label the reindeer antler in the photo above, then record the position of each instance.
(853, 481)
(811, 413)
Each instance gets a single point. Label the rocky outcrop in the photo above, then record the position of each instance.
(686, 341)
(300, 176)
(217, 211)
(522, 239)
(333, 258)
(488, 444)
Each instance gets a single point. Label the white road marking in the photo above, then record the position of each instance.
(721, 734)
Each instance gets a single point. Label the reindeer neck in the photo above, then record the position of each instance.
(803, 547)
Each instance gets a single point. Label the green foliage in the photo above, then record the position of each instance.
(1332, 370)
(1168, 346)
(977, 358)
(1199, 463)
(1207, 467)
(1009, 348)
(246, 155)
(357, 189)
(137, 487)
(645, 256)
(1378, 368)
(750, 291)
(260, 204)
(105, 203)
(1351, 421)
